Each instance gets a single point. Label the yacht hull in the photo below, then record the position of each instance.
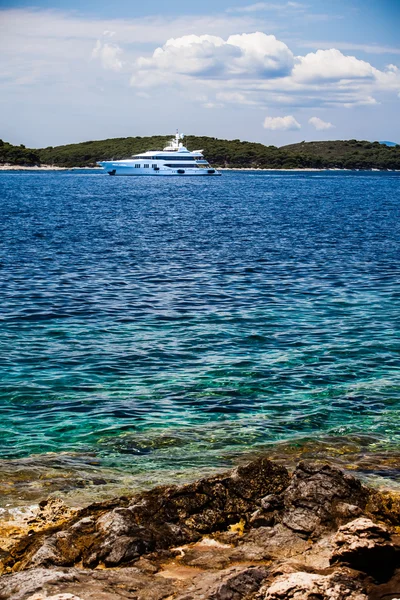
(114, 169)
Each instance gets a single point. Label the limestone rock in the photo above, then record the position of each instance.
(309, 586)
(235, 583)
(366, 546)
(154, 520)
(252, 533)
(278, 542)
(315, 497)
(76, 584)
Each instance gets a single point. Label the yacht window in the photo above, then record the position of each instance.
(154, 166)
(180, 166)
(137, 166)
(169, 158)
(146, 166)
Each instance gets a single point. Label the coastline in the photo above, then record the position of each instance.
(255, 532)
(7, 167)
(81, 479)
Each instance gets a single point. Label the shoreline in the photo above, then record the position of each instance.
(7, 167)
(81, 479)
(255, 532)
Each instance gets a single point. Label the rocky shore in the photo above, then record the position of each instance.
(257, 532)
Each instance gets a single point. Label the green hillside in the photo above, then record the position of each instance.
(17, 155)
(220, 153)
(351, 154)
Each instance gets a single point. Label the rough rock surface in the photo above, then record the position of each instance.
(308, 586)
(155, 520)
(253, 533)
(367, 546)
(319, 499)
(88, 585)
(50, 513)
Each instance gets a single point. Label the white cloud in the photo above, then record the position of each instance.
(287, 123)
(108, 54)
(254, 55)
(331, 65)
(62, 57)
(259, 70)
(319, 124)
(364, 101)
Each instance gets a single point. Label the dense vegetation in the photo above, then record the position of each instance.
(17, 155)
(351, 154)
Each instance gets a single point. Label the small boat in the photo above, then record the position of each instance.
(175, 159)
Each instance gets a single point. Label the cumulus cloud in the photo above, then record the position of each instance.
(253, 55)
(108, 54)
(260, 70)
(287, 123)
(319, 124)
(331, 65)
(205, 55)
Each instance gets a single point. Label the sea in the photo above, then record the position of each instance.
(153, 330)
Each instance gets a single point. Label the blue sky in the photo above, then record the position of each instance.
(277, 72)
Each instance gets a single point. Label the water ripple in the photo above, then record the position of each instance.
(249, 310)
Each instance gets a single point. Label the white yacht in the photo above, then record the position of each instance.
(175, 159)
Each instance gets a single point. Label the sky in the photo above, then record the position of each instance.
(275, 72)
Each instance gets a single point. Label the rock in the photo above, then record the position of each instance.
(309, 586)
(72, 584)
(252, 533)
(51, 512)
(154, 520)
(385, 506)
(231, 584)
(366, 546)
(315, 498)
(207, 555)
(271, 502)
(22, 586)
(278, 542)
(389, 590)
(56, 597)
(16, 525)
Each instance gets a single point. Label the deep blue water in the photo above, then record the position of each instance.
(171, 323)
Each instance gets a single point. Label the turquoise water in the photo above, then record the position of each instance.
(155, 326)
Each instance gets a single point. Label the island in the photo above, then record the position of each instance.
(228, 154)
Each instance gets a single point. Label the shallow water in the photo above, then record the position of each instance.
(158, 328)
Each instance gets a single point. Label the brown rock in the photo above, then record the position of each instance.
(309, 586)
(128, 583)
(235, 583)
(366, 546)
(278, 542)
(154, 520)
(315, 497)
